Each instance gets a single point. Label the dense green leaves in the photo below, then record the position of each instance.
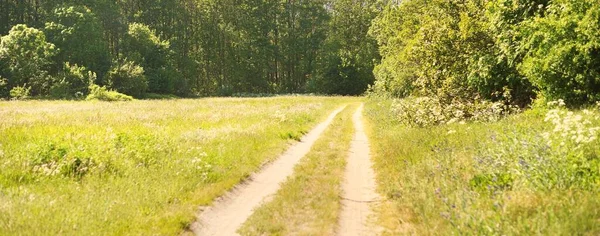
(72, 82)
(211, 47)
(25, 55)
(563, 51)
(77, 32)
(128, 78)
(490, 49)
(346, 64)
(148, 50)
(454, 50)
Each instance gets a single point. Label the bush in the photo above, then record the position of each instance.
(143, 46)
(430, 111)
(563, 51)
(437, 48)
(128, 78)
(98, 93)
(52, 160)
(72, 82)
(26, 54)
(20, 92)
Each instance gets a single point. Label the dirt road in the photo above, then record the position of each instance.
(229, 212)
(358, 186)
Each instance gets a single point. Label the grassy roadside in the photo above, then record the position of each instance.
(308, 202)
(136, 168)
(500, 178)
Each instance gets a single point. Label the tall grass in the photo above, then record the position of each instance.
(136, 168)
(500, 178)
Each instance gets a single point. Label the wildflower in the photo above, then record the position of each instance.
(452, 121)
(546, 135)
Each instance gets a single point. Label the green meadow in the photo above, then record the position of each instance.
(534, 173)
(141, 167)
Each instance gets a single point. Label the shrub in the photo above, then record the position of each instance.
(20, 92)
(128, 78)
(444, 49)
(562, 51)
(429, 111)
(143, 46)
(52, 160)
(98, 93)
(26, 54)
(72, 82)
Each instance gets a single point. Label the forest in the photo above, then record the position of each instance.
(453, 50)
(186, 48)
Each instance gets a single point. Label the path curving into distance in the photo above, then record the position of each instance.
(359, 193)
(229, 212)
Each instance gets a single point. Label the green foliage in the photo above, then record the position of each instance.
(444, 49)
(152, 53)
(62, 159)
(477, 49)
(345, 66)
(26, 55)
(491, 183)
(495, 178)
(20, 92)
(563, 51)
(78, 34)
(98, 93)
(209, 47)
(428, 111)
(127, 77)
(72, 82)
(54, 160)
(564, 156)
(4, 92)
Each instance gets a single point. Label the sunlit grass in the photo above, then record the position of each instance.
(139, 167)
(308, 203)
(432, 178)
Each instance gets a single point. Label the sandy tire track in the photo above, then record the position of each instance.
(229, 212)
(359, 193)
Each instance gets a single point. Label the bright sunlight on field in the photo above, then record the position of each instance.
(140, 167)
(535, 173)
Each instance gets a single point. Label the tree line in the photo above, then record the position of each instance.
(453, 50)
(57, 48)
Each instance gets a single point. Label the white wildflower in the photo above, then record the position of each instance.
(546, 135)
(452, 121)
